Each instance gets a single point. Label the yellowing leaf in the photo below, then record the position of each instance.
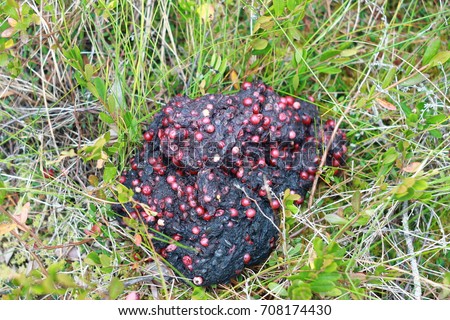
(440, 58)
(350, 52)
(385, 104)
(5, 228)
(9, 43)
(206, 12)
(412, 167)
(234, 79)
(259, 44)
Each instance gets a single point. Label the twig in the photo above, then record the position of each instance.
(257, 205)
(410, 247)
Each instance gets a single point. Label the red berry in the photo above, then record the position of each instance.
(195, 230)
(246, 85)
(304, 175)
(171, 179)
(146, 190)
(255, 119)
(306, 120)
(122, 179)
(331, 123)
(337, 155)
(187, 260)
(234, 213)
(197, 281)
(148, 136)
(200, 210)
(335, 163)
(247, 102)
(247, 258)
(210, 128)
(245, 202)
(275, 204)
(290, 100)
(198, 136)
(204, 242)
(275, 153)
(250, 213)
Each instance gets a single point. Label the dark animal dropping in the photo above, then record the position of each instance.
(209, 170)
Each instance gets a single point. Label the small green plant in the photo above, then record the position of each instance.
(320, 276)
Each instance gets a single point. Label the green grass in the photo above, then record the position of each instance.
(69, 75)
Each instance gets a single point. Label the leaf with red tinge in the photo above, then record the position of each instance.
(22, 215)
(385, 104)
(412, 167)
(137, 239)
(7, 33)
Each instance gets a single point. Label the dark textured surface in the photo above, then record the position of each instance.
(204, 173)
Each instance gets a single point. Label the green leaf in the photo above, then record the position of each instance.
(362, 220)
(88, 71)
(440, 58)
(116, 288)
(418, 78)
(356, 201)
(436, 133)
(333, 218)
(109, 172)
(2, 192)
(329, 276)
(4, 58)
(199, 293)
(292, 208)
(390, 156)
(350, 52)
(431, 50)
(264, 22)
(321, 285)
(92, 259)
(123, 193)
(318, 246)
(436, 119)
(329, 70)
(389, 78)
(298, 56)
(106, 118)
(278, 6)
(329, 54)
(66, 280)
(259, 44)
(295, 82)
(300, 291)
(334, 292)
(291, 4)
(278, 289)
(420, 185)
(101, 88)
(105, 260)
